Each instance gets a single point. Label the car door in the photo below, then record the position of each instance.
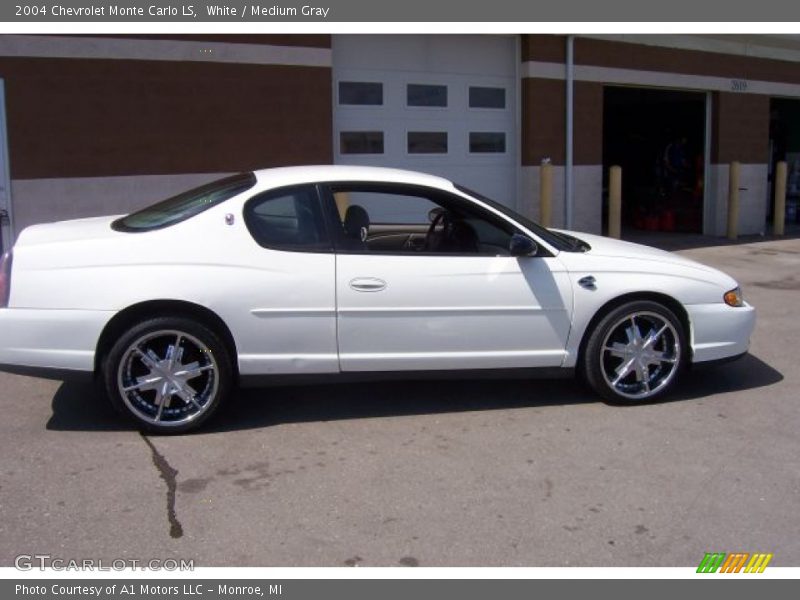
(288, 288)
(409, 308)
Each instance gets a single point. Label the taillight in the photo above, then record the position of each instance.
(5, 279)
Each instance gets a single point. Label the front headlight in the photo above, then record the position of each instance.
(734, 297)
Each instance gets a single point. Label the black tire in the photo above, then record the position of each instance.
(169, 358)
(652, 370)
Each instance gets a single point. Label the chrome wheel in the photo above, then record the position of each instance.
(168, 378)
(640, 355)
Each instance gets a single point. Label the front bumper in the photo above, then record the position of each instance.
(720, 331)
(52, 343)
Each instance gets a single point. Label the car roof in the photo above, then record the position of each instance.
(327, 173)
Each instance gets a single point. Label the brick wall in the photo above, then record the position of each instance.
(740, 128)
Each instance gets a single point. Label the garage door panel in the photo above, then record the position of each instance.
(447, 107)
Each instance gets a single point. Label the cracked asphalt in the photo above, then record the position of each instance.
(453, 473)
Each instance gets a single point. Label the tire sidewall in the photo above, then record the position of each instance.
(212, 341)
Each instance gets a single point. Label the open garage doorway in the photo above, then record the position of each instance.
(658, 138)
(784, 144)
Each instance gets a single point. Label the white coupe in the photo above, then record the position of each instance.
(348, 272)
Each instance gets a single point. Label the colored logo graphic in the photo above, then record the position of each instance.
(734, 563)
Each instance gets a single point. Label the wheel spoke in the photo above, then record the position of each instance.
(641, 372)
(175, 352)
(159, 401)
(637, 335)
(661, 357)
(189, 396)
(653, 336)
(623, 371)
(619, 350)
(192, 370)
(143, 384)
(149, 359)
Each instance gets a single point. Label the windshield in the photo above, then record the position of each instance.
(185, 205)
(560, 241)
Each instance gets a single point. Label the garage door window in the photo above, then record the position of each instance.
(426, 95)
(487, 97)
(361, 142)
(360, 93)
(487, 142)
(427, 142)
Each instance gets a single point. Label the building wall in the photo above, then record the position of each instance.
(543, 138)
(740, 132)
(106, 125)
(740, 119)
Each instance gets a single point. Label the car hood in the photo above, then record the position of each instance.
(93, 228)
(604, 247)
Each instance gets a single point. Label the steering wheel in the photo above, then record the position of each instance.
(434, 239)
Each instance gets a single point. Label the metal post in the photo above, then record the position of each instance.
(546, 193)
(733, 201)
(779, 214)
(6, 204)
(615, 202)
(570, 76)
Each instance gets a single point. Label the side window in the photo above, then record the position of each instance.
(287, 219)
(387, 207)
(415, 220)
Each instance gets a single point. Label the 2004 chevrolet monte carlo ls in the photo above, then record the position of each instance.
(348, 271)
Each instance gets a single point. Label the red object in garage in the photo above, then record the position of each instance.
(667, 220)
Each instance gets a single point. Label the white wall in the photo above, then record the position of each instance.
(752, 200)
(587, 196)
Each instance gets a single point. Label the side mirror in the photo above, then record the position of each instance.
(522, 245)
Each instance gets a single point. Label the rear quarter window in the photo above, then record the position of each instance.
(288, 219)
(185, 205)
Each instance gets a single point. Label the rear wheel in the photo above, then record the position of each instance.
(635, 353)
(168, 374)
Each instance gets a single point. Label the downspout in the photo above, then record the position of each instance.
(568, 183)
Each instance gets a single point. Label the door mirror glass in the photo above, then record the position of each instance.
(522, 245)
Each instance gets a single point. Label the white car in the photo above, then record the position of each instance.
(348, 271)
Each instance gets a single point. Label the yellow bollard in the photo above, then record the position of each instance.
(733, 201)
(546, 194)
(615, 202)
(342, 200)
(779, 214)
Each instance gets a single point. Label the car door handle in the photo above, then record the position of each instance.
(367, 284)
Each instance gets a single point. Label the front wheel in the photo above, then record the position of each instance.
(168, 374)
(635, 353)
